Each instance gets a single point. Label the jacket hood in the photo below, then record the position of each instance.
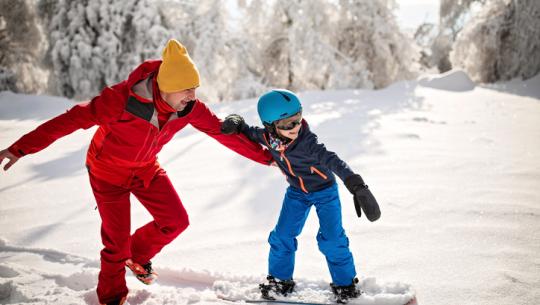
(143, 71)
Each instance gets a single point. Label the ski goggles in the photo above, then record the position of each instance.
(290, 125)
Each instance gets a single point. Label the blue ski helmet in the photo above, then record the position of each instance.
(278, 104)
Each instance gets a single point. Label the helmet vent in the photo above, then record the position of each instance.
(288, 99)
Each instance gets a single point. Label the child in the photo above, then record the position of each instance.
(309, 169)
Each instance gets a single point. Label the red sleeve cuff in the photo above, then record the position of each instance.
(17, 152)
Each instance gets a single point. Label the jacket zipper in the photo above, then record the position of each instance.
(302, 186)
(151, 148)
(282, 158)
(314, 169)
(144, 144)
(103, 141)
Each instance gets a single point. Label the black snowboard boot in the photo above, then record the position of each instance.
(344, 293)
(275, 286)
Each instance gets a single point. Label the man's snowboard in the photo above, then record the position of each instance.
(318, 293)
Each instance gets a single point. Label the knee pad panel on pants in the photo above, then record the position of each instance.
(282, 242)
(328, 246)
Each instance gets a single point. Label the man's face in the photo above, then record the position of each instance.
(178, 100)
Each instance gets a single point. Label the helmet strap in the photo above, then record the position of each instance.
(271, 128)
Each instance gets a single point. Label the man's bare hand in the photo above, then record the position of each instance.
(5, 154)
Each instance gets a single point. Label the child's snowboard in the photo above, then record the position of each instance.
(318, 293)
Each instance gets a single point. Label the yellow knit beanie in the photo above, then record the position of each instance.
(177, 71)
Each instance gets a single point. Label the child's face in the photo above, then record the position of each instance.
(284, 129)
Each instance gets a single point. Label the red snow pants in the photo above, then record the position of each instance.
(170, 219)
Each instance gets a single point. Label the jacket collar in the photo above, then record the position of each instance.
(140, 80)
(275, 142)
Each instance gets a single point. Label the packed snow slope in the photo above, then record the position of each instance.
(455, 167)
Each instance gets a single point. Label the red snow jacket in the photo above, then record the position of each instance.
(128, 138)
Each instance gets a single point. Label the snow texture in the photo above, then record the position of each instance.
(451, 80)
(456, 173)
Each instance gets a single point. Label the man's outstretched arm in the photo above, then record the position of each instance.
(206, 121)
(100, 110)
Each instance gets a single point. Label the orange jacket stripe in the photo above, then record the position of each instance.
(314, 169)
(302, 184)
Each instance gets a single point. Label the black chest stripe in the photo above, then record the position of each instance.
(142, 110)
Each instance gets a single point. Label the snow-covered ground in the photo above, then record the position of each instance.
(455, 167)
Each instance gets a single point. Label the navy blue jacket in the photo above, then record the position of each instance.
(306, 162)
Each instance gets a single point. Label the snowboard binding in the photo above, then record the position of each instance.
(276, 287)
(344, 293)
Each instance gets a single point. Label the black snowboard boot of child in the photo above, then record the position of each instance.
(344, 293)
(277, 287)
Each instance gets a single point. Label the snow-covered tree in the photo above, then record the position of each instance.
(8, 80)
(501, 42)
(440, 52)
(424, 37)
(369, 35)
(301, 49)
(97, 42)
(22, 48)
(316, 61)
(275, 52)
(296, 44)
(220, 53)
(272, 45)
(145, 34)
(331, 45)
(207, 35)
(453, 14)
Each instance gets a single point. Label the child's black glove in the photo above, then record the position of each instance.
(232, 124)
(363, 198)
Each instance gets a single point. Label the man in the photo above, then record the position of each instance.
(136, 117)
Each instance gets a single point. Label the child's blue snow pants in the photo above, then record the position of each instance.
(332, 241)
